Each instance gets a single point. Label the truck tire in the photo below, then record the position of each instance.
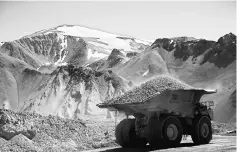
(202, 130)
(172, 131)
(126, 135)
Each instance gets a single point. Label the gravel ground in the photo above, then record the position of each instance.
(218, 144)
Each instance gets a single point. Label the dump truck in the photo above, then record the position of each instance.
(163, 110)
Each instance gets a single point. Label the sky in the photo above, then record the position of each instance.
(141, 19)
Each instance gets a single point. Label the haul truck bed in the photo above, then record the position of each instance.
(178, 102)
(164, 110)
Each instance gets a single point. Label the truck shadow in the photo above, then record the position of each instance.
(147, 149)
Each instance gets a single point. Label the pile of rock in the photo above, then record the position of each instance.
(148, 90)
(33, 132)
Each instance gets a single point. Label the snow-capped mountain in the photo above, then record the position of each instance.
(99, 38)
(69, 44)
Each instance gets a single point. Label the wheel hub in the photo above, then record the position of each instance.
(172, 132)
(205, 130)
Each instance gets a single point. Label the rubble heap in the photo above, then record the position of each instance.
(33, 132)
(148, 90)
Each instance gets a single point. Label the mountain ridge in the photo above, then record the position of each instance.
(84, 27)
(108, 65)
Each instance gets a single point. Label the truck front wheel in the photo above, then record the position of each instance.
(202, 131)
(126, 135)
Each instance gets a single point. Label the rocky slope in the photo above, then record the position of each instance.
(116, 59)
(32, 132)
(68, 91)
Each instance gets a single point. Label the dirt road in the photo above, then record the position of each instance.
(218, 144)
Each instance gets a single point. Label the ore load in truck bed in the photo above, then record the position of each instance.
(148, 90)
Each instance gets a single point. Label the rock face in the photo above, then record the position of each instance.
(45, 49)
(68, 91)
(114, 60)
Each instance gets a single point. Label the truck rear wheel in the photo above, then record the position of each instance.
(202, 131)
(172, 131)
(126, 135)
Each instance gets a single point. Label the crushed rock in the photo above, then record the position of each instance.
(148, 90)
(51, 132)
